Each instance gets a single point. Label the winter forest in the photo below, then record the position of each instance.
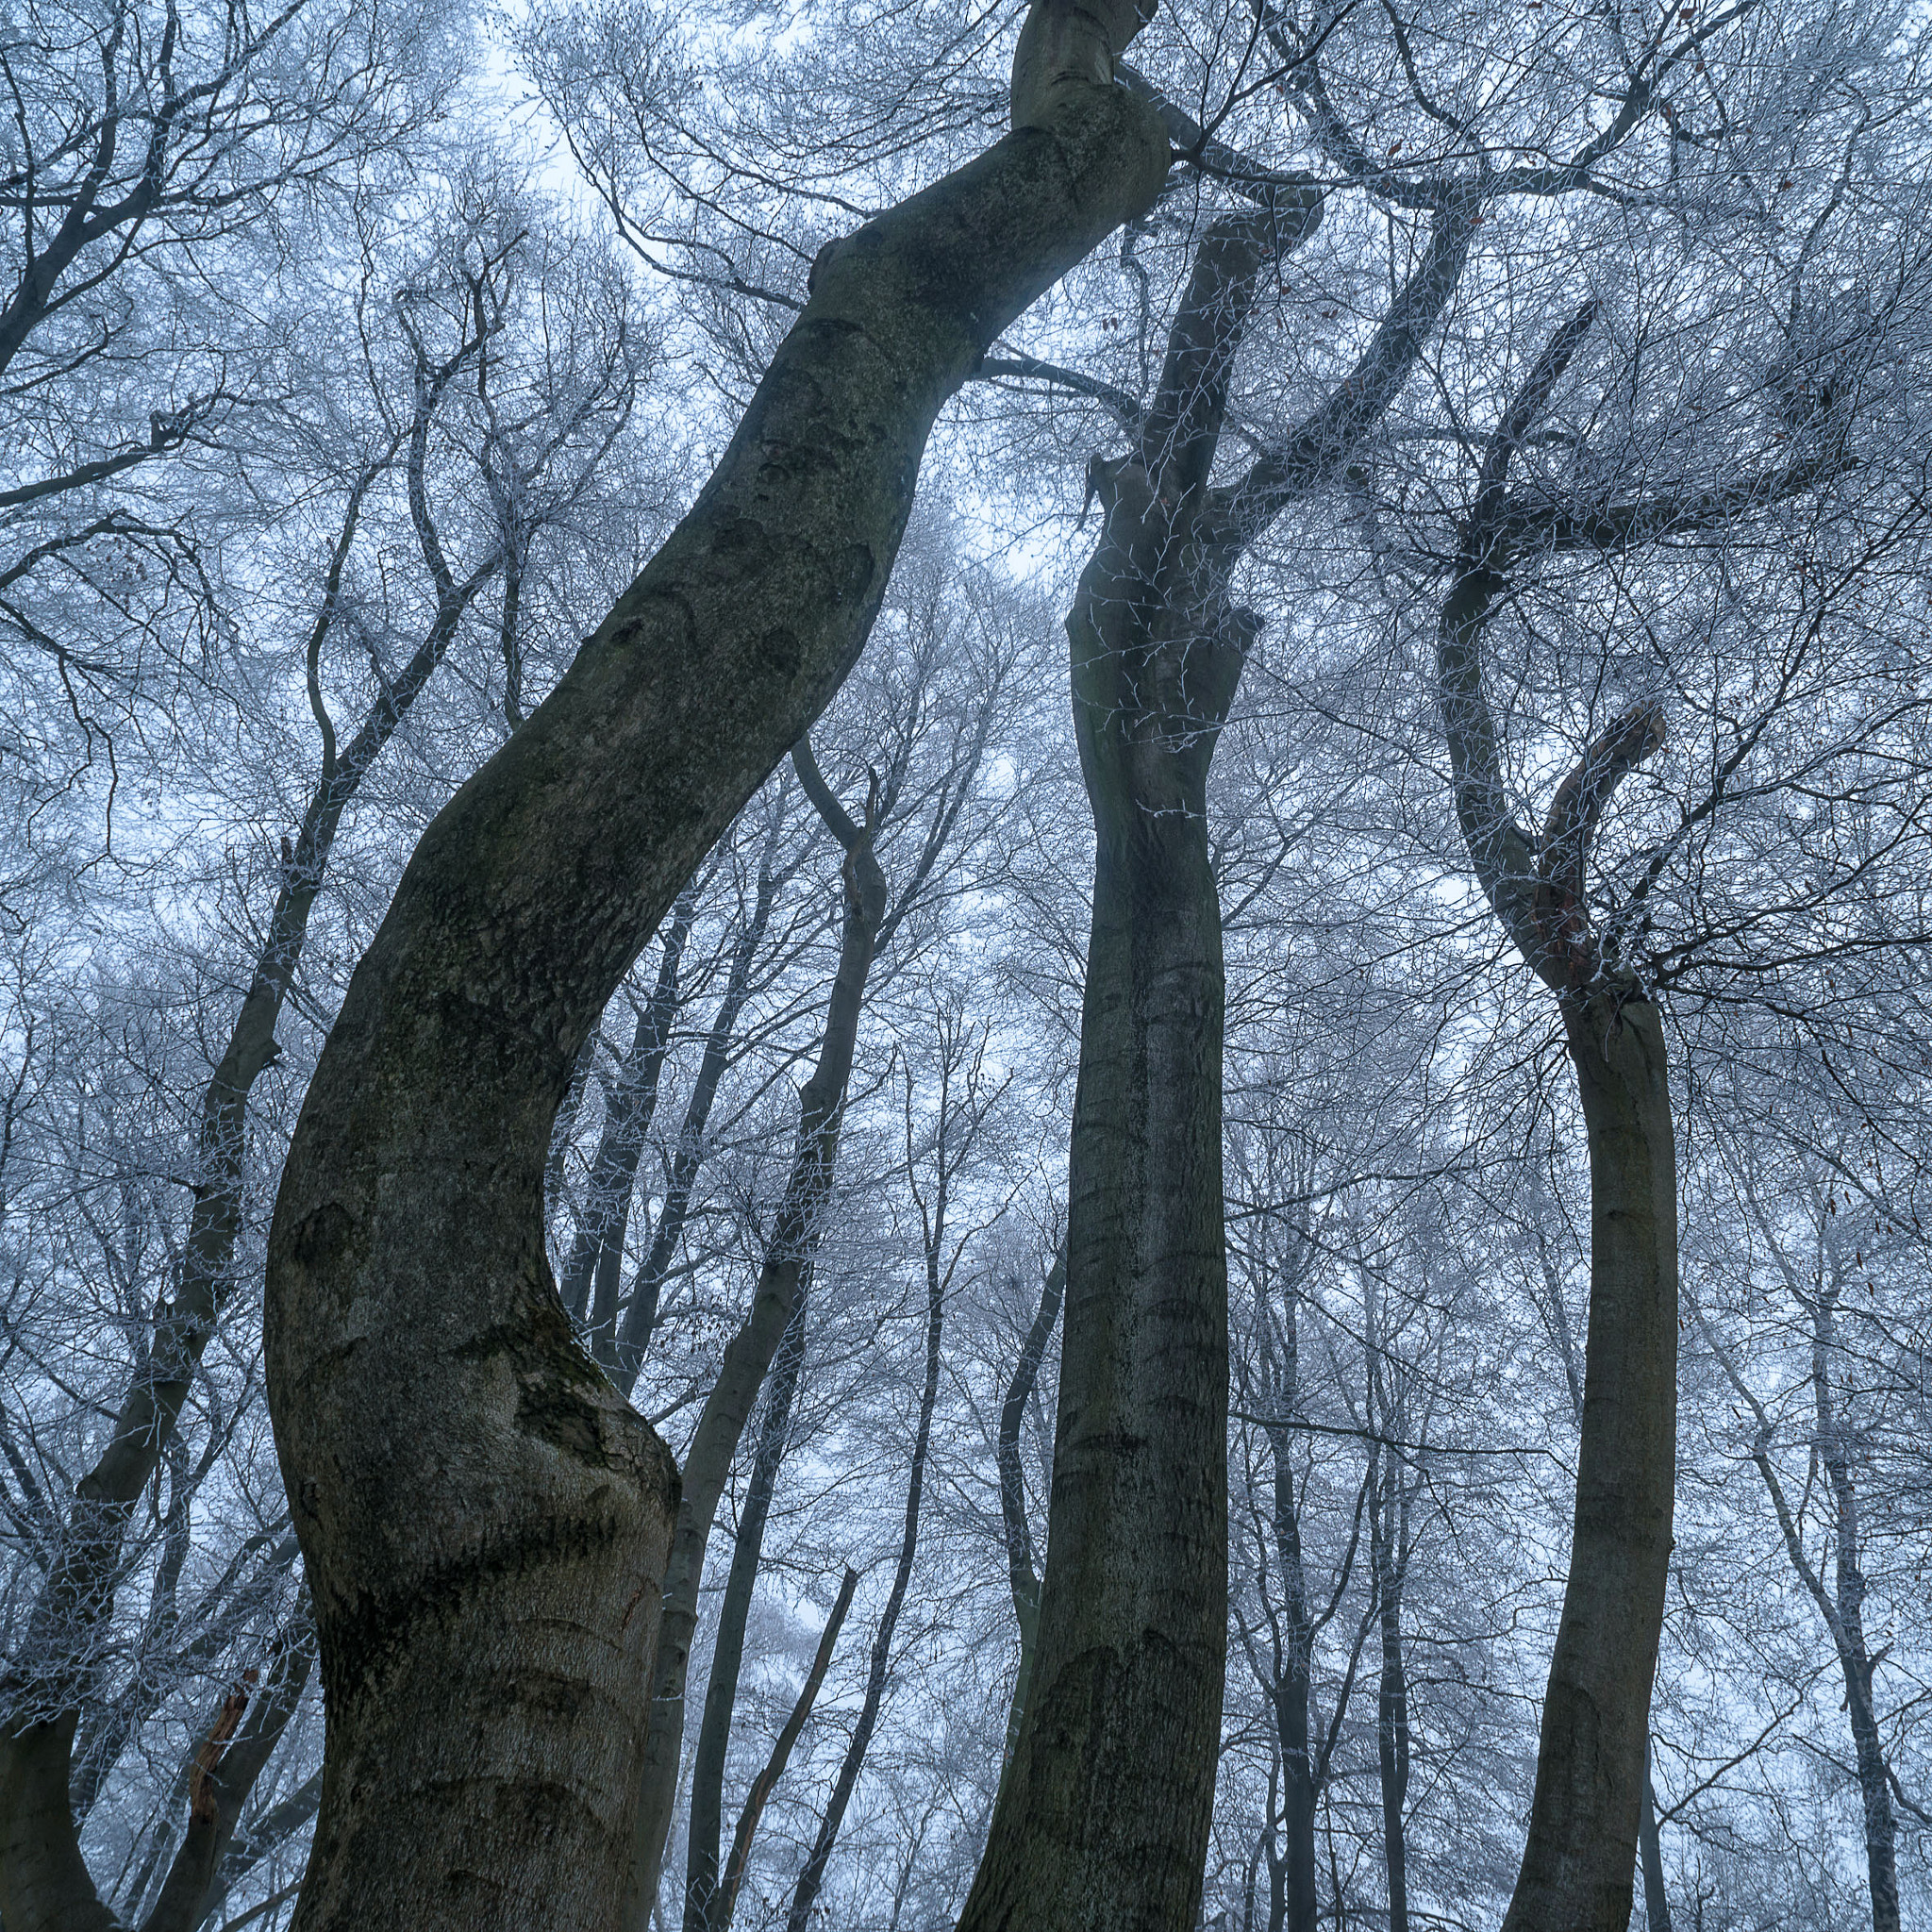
(966, 966)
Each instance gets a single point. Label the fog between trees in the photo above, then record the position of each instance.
(1267, 1272)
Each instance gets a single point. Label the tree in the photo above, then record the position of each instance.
(407, 1277)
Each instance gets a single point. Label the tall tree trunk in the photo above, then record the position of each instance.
(1843, 1605)
(486, 1525)
(1579, 1862)
(1856, 1660)
(44, 1882)
(789, 1255)
(1293, 1906)
(1388, 1543)
(1103, 1815)
(1103, 1820)
(705, 1909)
(812, 1877)
(1580, 1857)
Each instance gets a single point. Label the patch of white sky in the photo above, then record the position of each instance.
(502, 97)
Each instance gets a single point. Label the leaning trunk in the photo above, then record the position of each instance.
(1021, 1575)
(812, 1877)
(1578, 1867)
(1650, 1854)
(485, 1523)
(596, 1249)
(219, 1784)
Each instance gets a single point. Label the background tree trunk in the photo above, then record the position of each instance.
(1022, 1576)
(811, 1879)
(788, 1257)
(592, 1274)
(705, 1909)
(219, 1787)
(721, 1907)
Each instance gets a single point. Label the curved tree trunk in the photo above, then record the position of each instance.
(1579, 1859)
(486, 1524)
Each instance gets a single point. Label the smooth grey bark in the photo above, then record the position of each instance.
(43, 1878)
(593, 1270)
(789, 1255)
(1103, 1814)
(719, 1913)
(1650, 1855)
(704, 1907)
(486, 1525)
(1023, 1577)
(1580, 1858)
(224, 1771)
